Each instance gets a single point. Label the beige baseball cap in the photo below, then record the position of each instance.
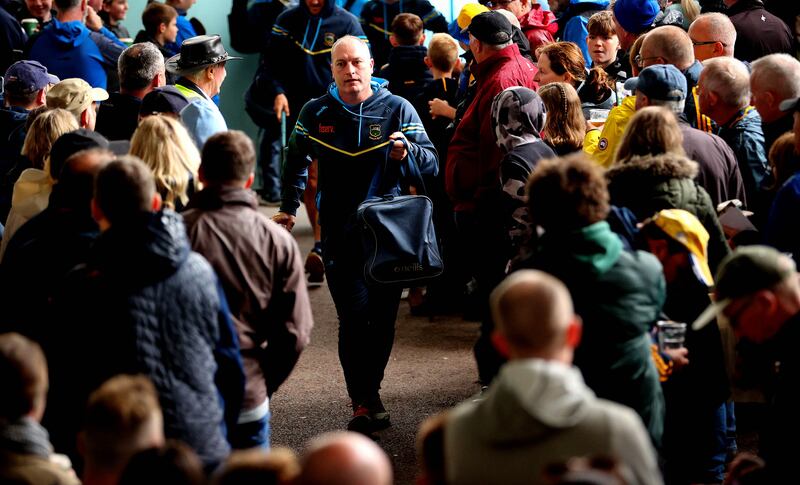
(74, 95)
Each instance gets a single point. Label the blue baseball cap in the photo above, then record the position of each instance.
(636, 16)
(25, 77)
(662, 82)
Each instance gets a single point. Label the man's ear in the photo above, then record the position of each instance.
(713, 98)
(393, 40)
(41, 98)
(500, 343)
(421, 39)
(372, 64)
(159, 80)
(770, 98)
(97, 214)
(250, 180)
(574, 332)
(201, 175)
(156, 203)
(84, 121)
(428, 62)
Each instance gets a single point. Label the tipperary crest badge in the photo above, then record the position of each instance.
(374, 132)
(329, 38)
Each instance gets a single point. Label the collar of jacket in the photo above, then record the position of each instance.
(214, 198)
(483, 70)
(692, 73)
(193, 87)
(743, 6)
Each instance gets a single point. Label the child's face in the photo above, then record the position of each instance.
(172, 30)
(602, 49)
(116, 9)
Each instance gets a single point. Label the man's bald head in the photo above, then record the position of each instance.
(671, 44)
(353, 42)
(345, 458)
(713, 35)
(533, 311)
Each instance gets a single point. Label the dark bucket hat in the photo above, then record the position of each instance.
(199, 52)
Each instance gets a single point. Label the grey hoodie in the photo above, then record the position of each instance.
(538, 413)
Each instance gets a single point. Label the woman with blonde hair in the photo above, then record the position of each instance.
(168, 150)
(564, 126)
(32, 189)
(651, 131)
(652, 173)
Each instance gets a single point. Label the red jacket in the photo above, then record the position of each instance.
(473, 157)
(539, 26)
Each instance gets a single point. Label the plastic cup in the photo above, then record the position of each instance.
(127, 41)
(30, 26)
(598, 115)
(671, 335)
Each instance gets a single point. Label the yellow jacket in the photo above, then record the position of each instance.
(602, 145)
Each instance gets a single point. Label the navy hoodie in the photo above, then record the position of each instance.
(67, 51)
(350, 142)
(406, 72)
(377, 17)
(299, 55)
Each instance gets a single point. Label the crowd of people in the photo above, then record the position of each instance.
(615, 195)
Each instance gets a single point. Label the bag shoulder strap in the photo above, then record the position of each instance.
(408, 170)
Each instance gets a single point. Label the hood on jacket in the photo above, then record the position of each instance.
(551, 394)
(68, 35)
(665, 166)
(539, 18)
(599, 4)
(214, 198)
(518, 115)
(592, 249)
(379, 93)
(327, 9)
(31, 192)
(143, 251)
(408, 59)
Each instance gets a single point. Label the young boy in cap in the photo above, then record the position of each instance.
(696, 387)
(25, 87)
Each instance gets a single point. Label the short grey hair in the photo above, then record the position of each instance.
(676, 107)
(138, 65)
(719, 28)
(779, 73)
(498, 47)
(729, 79)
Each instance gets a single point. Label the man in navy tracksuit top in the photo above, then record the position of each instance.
(296, 69)
(377, 17)
(351, 131)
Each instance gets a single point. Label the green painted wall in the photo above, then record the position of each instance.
(214, 15)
